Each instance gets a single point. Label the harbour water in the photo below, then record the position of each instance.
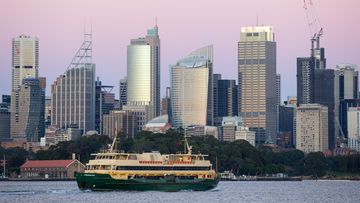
(257, 191)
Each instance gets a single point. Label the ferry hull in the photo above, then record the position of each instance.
(98, 182)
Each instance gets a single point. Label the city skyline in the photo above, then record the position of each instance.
(223, 32)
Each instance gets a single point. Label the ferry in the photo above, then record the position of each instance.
(114, 170)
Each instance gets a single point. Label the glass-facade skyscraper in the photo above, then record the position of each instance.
(25, 59)
(143, 72)
(257, 81)
(27, 114)
(189, 80)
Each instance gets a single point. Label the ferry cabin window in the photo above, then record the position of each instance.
(163, 168)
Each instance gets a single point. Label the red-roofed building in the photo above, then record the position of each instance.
(51, 168)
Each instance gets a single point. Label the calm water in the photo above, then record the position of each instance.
(305, 191)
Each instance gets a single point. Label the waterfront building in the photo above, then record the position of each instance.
(27, 115)
(123, 92)
(312, 128)
(354, 128)
(25, 59)
(73, 93)
(143, 72)
(257, 81)
(51, 169)
(189, 80)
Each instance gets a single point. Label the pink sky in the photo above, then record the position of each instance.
(183, 26)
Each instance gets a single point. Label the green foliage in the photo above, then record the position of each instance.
(239, 157)
(15, 157)
(315, 164)
(82, 147)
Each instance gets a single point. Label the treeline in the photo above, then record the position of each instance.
(239, 156)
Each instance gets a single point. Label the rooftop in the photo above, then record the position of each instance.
(46, 163)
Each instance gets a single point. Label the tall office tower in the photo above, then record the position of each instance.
(346, 87)
(257, 81)
(104, 103)
(208, 53)
(123, 92)
(47, 113)
(345, 105)
(189, 80)
(315, 84)
(324, 95)
(225, 98)
(306, 67)
(25, 59)
(286, 125)
(353, 127)
(143, 72)
(27, 116)
(141, 113)
(5, 118)
(166, 104)
(278, 89)
(73, 93)
(6, 99)
(120, 122)
(278, 100)
(311, 128)
(217, 119)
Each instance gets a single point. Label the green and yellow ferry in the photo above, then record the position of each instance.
(114, 170)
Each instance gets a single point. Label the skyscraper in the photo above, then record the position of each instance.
(311, 128)
(143, 72)
(353, 127)
(208, 53)
(104, 103)
(315, 84)
(189, 80)
(27, 115)
(324, 95)
(346, 87)
(25, 59)
(257, 81)
(73, 93)
(123, 92)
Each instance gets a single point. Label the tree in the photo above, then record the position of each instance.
(315, 164)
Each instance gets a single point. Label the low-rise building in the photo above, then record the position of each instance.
(243, 133)
(159, 124)
(52, 169)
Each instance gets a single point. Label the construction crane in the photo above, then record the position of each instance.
(315, 27)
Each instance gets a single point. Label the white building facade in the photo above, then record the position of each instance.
(354, 128)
